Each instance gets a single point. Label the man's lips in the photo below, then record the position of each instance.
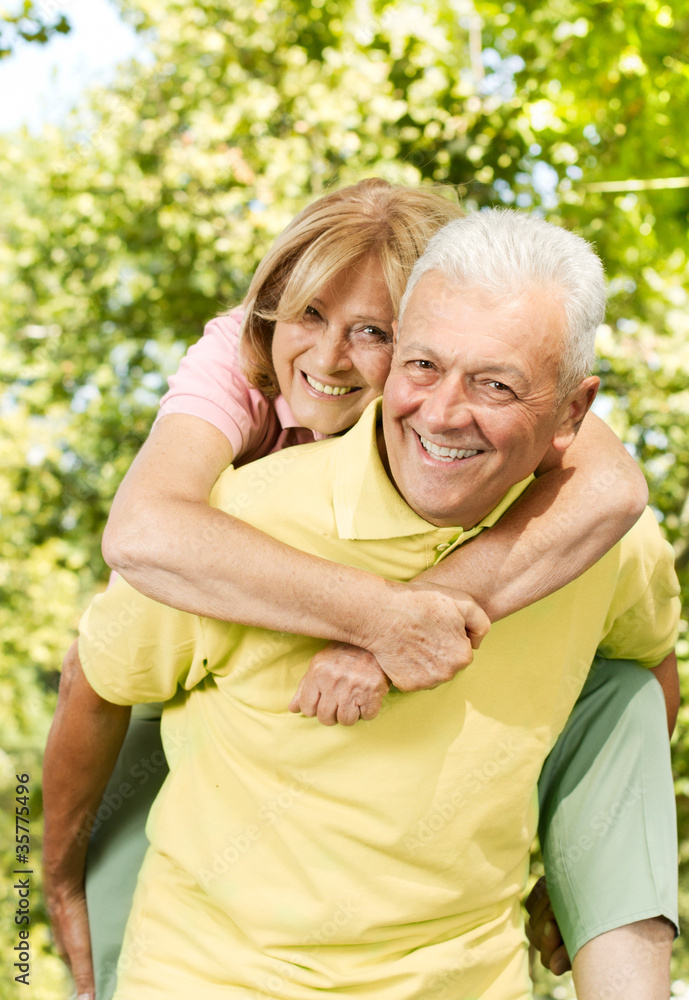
(445, 454)
(330, 390)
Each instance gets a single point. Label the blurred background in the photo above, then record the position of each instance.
(150, 150)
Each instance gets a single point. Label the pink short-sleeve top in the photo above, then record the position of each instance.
(211, 384)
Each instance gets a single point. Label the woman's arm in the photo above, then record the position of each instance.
(168, 543)
(580, 505)
(82, 749)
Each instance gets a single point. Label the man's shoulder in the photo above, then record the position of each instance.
(300, 455)
(645, 539)
(302, 475)
(645, 555)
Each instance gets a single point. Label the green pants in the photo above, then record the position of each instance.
(607, 828)
(607, 810)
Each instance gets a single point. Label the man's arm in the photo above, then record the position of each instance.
(83, 744)
(668, 677)
(581, 504)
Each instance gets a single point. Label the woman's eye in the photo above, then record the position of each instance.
(375, 331)
(312, 312)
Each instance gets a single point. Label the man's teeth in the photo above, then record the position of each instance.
(330, 390)
(445, 454)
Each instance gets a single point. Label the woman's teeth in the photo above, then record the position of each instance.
(329, 390)
(445, 454)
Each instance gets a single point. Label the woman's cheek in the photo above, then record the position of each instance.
(380, 370)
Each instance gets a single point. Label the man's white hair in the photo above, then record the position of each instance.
(507, 252)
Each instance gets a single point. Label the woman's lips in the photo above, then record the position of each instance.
(330, 390)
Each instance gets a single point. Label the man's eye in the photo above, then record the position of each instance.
(499, 385)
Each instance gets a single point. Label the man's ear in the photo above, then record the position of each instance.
(574, 409)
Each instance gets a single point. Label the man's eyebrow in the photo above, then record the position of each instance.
(496, 368)
(423, 349)
(485, 367)
(490, 367)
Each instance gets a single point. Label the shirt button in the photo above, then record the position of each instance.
(443, 546)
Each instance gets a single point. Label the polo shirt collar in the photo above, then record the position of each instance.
(366, 503)
(284, 413)
(289, 422)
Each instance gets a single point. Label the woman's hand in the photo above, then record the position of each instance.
(426, 636)
(543, 932)
(424, 641)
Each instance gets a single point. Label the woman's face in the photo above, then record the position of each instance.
(333, 361)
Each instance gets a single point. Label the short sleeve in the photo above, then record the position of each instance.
(643, 623)
(210, 384)
(134, 650)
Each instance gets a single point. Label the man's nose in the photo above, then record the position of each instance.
(332, 351)
(447, 407)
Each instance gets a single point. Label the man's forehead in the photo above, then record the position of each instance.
(435, 289)
(513, 333)
(436, 294)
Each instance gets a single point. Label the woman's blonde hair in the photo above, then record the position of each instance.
(392, 222)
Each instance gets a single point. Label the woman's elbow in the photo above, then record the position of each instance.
(123, 544)
(632, 493)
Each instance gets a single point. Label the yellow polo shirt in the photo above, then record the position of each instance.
(294, 861)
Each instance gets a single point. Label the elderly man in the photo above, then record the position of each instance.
(385, 860)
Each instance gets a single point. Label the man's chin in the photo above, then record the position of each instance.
(437, 510)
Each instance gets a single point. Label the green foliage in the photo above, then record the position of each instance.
(33, 23)
(127, 229)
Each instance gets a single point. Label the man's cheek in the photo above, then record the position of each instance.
(404, 399)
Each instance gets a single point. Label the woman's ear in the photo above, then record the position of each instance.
(574, 409)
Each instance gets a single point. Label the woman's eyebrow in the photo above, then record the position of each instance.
(371, 318)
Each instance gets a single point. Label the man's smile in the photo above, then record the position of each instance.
(445, 454)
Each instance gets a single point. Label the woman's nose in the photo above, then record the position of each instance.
(332, 351)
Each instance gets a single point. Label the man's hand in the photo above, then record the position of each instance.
(83, 744)
(343, 684)
(66, 905)
(426, 635)
(543, 932)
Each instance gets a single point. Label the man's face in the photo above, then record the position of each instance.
(470, 403)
